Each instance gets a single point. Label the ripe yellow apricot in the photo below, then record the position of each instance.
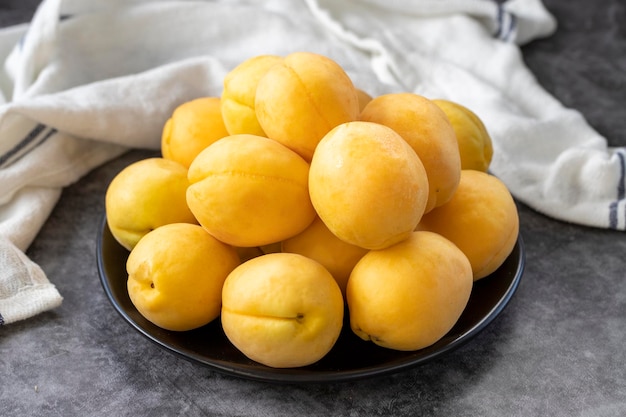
(302, 98)
(249, 190)
(283, 310)
(175, 276)
(426, 128)
(145, 195)
(320, 244)
(408, 296)
(367, 185)
(475, 146)
(193, 126)
(481, 219)
(239, 92)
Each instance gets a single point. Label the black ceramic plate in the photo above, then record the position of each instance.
(351, 358)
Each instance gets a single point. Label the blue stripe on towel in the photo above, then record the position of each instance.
(507, 24)
(621, 193)
(28, 143)
(499, 18)
(28, 139)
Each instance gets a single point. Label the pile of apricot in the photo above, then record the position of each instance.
(328, 199)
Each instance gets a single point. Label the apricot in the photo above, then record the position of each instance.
(320, 244)
(481, 219)
(193, 126)
(475, 146)
(239, 93)
(427, 129)
(408, 296)
(175, 276)
(283, 310)
(145, 195)
(302, 98)
(249, 190)
(367, 185)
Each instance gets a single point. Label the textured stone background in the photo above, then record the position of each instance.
(557, 349)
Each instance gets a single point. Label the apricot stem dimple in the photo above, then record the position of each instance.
(370, 337)
(300, 317)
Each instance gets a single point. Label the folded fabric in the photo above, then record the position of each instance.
(85, 81)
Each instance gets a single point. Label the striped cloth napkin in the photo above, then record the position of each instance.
(85, 81)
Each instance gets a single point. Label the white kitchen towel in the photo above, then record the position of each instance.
(85, 81)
